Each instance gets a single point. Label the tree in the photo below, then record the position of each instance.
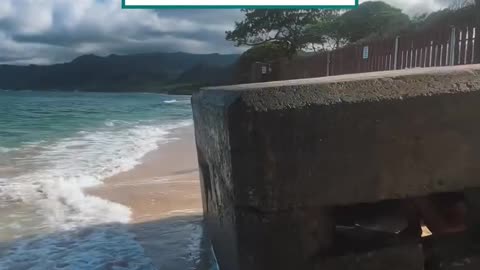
(284, 26)
(327, 34)
(372, 19)
(459, 4)
(265, 52)
(454, 15)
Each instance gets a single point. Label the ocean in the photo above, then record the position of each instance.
(54, 145)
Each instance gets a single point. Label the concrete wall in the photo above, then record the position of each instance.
(275, 157)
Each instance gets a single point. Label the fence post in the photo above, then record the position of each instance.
(328, 63)
(476, 43)
(396, 53)
(452, 47)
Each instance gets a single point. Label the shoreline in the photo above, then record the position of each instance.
(163, 193)
(164, 184)
(61, 211)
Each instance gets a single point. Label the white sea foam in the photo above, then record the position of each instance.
(109, 123)
(79, 238)
(6, 149)
(113, 123)
(170, 101)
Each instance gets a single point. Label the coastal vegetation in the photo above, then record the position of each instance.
(269, 34)
(289, 33)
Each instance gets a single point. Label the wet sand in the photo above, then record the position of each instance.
(165, 184)
(163, 193)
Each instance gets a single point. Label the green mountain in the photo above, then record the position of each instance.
(159, 72)
(208, 74)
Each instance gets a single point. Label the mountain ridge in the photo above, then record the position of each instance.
(154, 72)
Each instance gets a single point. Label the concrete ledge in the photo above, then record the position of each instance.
(448, 70)
(349, 141)
(276, 150)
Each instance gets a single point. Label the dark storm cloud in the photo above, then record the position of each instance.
(46, 31)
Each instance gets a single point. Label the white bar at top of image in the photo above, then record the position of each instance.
(239, 2)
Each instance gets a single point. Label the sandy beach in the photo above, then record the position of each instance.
(165, 184)
(163, 193)
(99, 181)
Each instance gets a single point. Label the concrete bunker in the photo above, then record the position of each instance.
(295, 173)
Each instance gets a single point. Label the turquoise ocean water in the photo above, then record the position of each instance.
(55, 144)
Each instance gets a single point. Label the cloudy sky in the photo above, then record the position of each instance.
(51, 31)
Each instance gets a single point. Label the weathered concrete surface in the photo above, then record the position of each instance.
(273, 155)
(472, 200)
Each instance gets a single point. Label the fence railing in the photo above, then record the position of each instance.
(434, 47)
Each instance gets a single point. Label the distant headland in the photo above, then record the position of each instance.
(173, 73)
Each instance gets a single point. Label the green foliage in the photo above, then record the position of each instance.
(263, 53)
(372, 19)
(266, 52)
(459, 4)
(327, 34)
(284, 26)
(445, 18)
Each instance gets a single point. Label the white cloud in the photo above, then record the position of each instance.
(62, 29)
(28, 16)
(41, 31)
(415, 7)
(5, 9)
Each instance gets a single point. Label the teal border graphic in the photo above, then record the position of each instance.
(124, 6)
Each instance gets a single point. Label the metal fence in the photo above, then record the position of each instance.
(436, 46)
